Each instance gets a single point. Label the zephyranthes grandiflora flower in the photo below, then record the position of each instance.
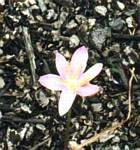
(72, 80)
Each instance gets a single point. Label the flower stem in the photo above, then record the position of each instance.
(67, 129)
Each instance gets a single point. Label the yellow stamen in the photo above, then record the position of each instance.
(71, 80)
(85, 80)
(72, 84)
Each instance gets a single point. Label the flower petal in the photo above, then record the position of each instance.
(91, 73)
(79, 61)
(67, 98)
(88, 90)
(51, 81)
(61, 64)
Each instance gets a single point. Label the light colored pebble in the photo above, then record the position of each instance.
(128, 50)
(34, 7)
(0, 115)
(74, 41)
(43, 100)
(109, 105)
(71, 24)
(7, 36)
(116, 147)
(1, 71)
(63, 16)
(32, 2)
(129, 22)
(99, 35)
(80, 18)
(29, 132)
(42, 5)
(26, 12)
(1, 51)
(39, 18)
(23, 132)
(14, 18)
(41, 127)
(132, 62)
(139, 103)
(116, 139)
(51, 14)
(117, 24)
(9, 56)
(91, 22)
(121, 5)
(124, 62)
(97, 107)
(126, 147)
(109, 1)
(1, 43)
(132, 134)
(138, 3)
(56, 35)
(102, 10)
(25, 108)
(2, 83)
(2, 2)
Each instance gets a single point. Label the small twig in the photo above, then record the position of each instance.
(14, 94)
(95, 137)
(3, 61)
(6, 59)
(19, 120)
(75, 146)
(129, 93)
(39, 144)
(30, 53)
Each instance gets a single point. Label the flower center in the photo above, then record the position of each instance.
(72, 83)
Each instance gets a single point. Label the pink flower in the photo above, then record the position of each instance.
(72, 80)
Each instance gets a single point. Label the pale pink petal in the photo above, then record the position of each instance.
(52, 82)
(79, 61)
(67, 98)
(88, 90)
(91, 73)
(61, 64)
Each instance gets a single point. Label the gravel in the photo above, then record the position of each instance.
(28, 112)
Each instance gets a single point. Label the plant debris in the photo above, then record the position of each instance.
(30, 33)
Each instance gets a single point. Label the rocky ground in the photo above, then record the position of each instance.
(30, 32)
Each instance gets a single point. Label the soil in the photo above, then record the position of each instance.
(30, 33)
